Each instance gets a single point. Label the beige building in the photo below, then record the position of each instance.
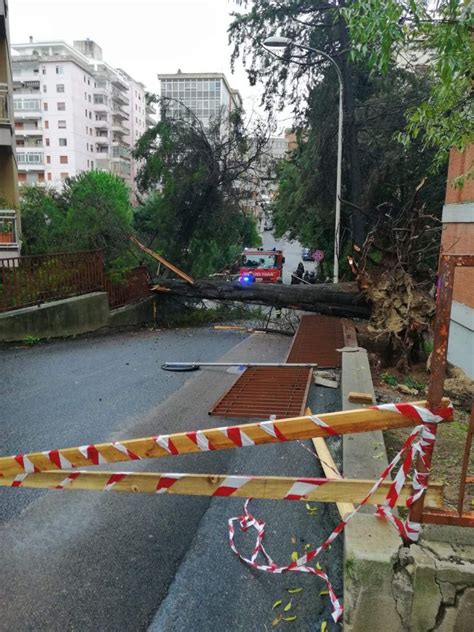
(9, 218)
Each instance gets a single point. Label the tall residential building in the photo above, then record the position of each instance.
(9, 219)
(205, 94)
(73, 112)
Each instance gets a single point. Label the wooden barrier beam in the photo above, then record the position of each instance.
(330, 469)
(343, 422)
(266, 487)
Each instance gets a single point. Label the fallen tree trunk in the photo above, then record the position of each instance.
(343, 299)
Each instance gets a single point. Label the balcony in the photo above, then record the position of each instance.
(29, 131)
(29, 159)
(119, 114)
(103, 164)
(8, 230)
(26, 87)
(25, 107)
(120, 96)
(29, 144)
(120, 152)
(118, 128)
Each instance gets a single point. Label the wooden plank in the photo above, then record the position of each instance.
(265, 487)
(224, 438)
(163, 261)
(330, 469)
(349, 331)
(360, 398)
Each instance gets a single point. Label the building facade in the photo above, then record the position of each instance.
(458, 238)
(9, 219)
(73, 112)
(205, 94)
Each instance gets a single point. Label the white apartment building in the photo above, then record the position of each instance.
(73, 112)
(205, 94)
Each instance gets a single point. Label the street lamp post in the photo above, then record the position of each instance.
(283, 42)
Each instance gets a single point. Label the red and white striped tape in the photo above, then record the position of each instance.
(426, 435)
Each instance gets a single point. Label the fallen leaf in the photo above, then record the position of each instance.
(378, 456)
(277, 603)
(294, 556)
(324, 626)
(293, 591)
(276, 621)
(318, 566)
(287, 607)
(292, 618)
(293, 539)
(324, 592)
(307, 547)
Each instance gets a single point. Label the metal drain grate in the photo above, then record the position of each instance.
(316, 340)
(260, 392)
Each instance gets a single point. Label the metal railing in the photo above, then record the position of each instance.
(134, 287)
(35, 279)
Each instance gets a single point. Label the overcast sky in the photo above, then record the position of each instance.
(144, 37)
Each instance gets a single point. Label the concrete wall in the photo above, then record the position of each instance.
(134, 314)
(427, 587)
(73, 316)
(67, 317)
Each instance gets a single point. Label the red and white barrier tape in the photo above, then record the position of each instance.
(408, 530)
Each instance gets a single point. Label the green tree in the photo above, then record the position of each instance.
(436, 35)
(195, 179)
(91, 212)
(43, 220)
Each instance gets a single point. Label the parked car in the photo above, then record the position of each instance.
(268, 225)
(307, 254)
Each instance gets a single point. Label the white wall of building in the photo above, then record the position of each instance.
(76, 113)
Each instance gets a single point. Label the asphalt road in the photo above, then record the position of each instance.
(292, 251)
(87, 561)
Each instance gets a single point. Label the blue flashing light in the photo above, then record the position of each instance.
(247, 279)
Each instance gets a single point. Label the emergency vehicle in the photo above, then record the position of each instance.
(261, 266)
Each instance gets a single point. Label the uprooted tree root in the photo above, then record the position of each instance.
(402, 310)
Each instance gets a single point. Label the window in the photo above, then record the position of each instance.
(63, 160)
(60, 87)
(64, 175)
(90, 115)
(48, 159)
(49, 175)
(22, 177)
(45, 106)
(61, 106)
(46, 142)
(43, 70)
(63, 142)
(46, 125)
(85, 96)
(92, 164)
(88, 164)
(88, 82)
(19, 125)
(61, 124)
(85, 111)
(89, 97)
(59, 70)
(84, 78)
(40, 177)
(45, 88)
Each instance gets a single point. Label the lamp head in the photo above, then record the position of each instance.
(277, 42)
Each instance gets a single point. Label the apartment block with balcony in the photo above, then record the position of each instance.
(10, 230)
(72, 112)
